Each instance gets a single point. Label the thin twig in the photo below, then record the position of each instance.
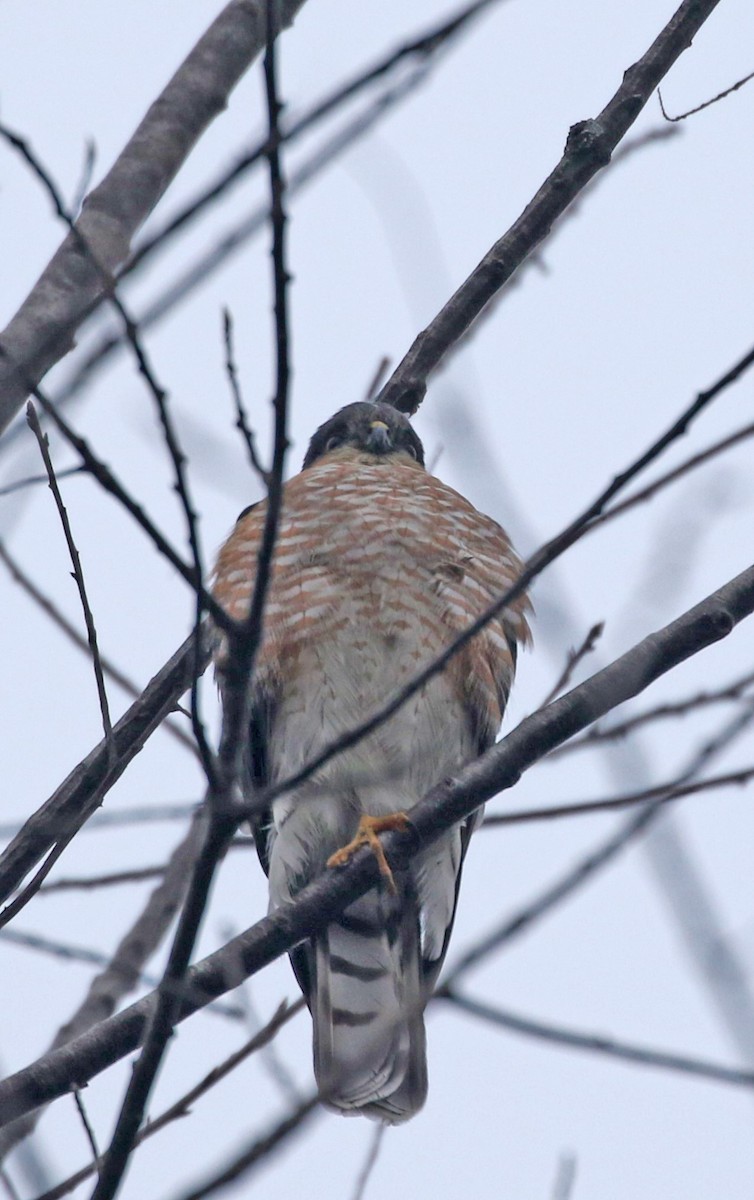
(84, 183)
(78, 575)
(115, 818)
(33, 480)
(87, 883)
(373, 1153)
(451, 801)
(588, 149)
(160, 398)
(105, 478)
(242, 422)
(664, 792)
(707, 103)
(377, 378)
(690, 464)
(547, 554)
(679, 708)
(244, 645)
(95, 958)
(595, 861)
(573, 660)
(271, 1060)
(56, 616)
(423, 48)
(183, 1106)
(85, 1122)
(256, 1151)
(599, 1044)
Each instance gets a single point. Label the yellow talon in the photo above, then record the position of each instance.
(366, 835)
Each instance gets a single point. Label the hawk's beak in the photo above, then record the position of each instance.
(379, 440)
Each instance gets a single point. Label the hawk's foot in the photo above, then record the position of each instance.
(366, 835)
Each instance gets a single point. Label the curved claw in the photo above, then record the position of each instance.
(367, 835)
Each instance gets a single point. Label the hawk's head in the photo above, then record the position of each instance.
(376, 429)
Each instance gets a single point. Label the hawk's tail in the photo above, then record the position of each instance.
(367, 1006)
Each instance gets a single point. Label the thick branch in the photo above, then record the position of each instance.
(446, 804)
(71, 286)
(588, 149)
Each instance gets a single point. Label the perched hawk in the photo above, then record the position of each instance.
(377, 567)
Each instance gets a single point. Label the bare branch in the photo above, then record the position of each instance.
(707, 103)
(375, 1145)
(185, 1104)
(70, 288)
(451, 801)
(81, 793)
(78, 574)
(574, 658)
(588, 149)
(56, 616)
(256, 1151)
(599, 1044)
(242, 422)
(85, 1122)
(663, 793)
(680, 708)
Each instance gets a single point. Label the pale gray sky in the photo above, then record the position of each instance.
(647, 297)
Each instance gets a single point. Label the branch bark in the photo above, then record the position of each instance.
(449, 802)
(588, 149)
(71, 286)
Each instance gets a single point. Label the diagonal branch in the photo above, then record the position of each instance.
(80, 794)
(78, 574)
(244, 643)
(184, 1105)
(114, 673)
(597, 1043)
(121, 973)
(71, 287)
(451, 801)
(588, 149)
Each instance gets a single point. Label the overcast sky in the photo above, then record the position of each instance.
(644, 296)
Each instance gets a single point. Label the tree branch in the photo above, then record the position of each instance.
(451, 801)
(588, 149)
(81, 793)
(597, 1043)
(71, 287)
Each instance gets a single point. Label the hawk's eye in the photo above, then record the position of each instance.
(411, 449)
(333, 442)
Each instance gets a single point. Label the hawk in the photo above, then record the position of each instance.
(378, 566)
